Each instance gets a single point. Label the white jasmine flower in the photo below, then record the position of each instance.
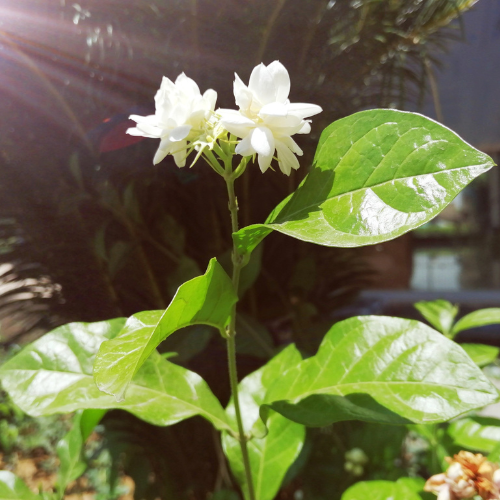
(266, 119)
(180, 117)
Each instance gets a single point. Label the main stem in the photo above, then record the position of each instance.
(231, 348)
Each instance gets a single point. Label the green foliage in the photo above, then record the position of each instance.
(402, 489)
(381, 369)
(54, 375)
(357, 194)
(478, 318)
(439, 313)
(207, 299)
(271, 455)
(13, 488)
(481, 354)
(476, 433)
(69, 451)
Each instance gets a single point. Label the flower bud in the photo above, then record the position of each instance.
(357, 456)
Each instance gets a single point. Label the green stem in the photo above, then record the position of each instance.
(231, 333)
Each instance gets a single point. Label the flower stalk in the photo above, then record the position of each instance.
(237, 260)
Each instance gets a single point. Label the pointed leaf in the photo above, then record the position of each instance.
(273, 454)
(207, 299)
(381, 369)
(54, 375)
(481, 354)
(476, 433)
(439, 313)
(377, 174)
(90, 418)
(69, 451)
(482, 317)
(14, 488)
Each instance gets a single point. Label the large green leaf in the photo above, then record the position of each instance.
(481, 354)
(273, 454)
(207, 299)
(381, 369)
(476, 433)
(439, 313)
(54, 375)
(482, 317)
(14, 488)
(402, 489)
(377, 174)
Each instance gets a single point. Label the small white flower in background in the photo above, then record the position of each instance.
(266, 119)
(181, 115)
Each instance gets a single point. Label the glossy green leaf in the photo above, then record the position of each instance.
(54, 375)
(383, 490)
(273, 454)
(14, 488)
(476, 433)
(439, 313)
(207, 299)
(69, 451)
(482, 317)
(481, 354)
(377, 174)
(381, 369)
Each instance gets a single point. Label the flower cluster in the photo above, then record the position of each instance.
(181, 114)
(265, 121)
(468, 475)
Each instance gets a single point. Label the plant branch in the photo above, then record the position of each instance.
(231, 332)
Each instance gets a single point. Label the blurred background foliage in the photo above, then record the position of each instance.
(90, 229)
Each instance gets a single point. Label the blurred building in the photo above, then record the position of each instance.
(456, 256)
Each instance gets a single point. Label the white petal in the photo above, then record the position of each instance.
(264, 162)
(179, 133)
(242, 95)
(244, 148)
(180, 153)
(145, 126)
(306, 127)
(139, 133)
(281, 80)
(211, 97)
(303, 110)
(167, 86)
(445, 494)
(235, 123)
(187, 86)
(496, 478)
(144, 119)
(274, 109)
(180, 114)
(135, 131)
(262, 85)
(287, 160)
(292, 145)
(262, 141)
(162, 151)
(289, 121)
